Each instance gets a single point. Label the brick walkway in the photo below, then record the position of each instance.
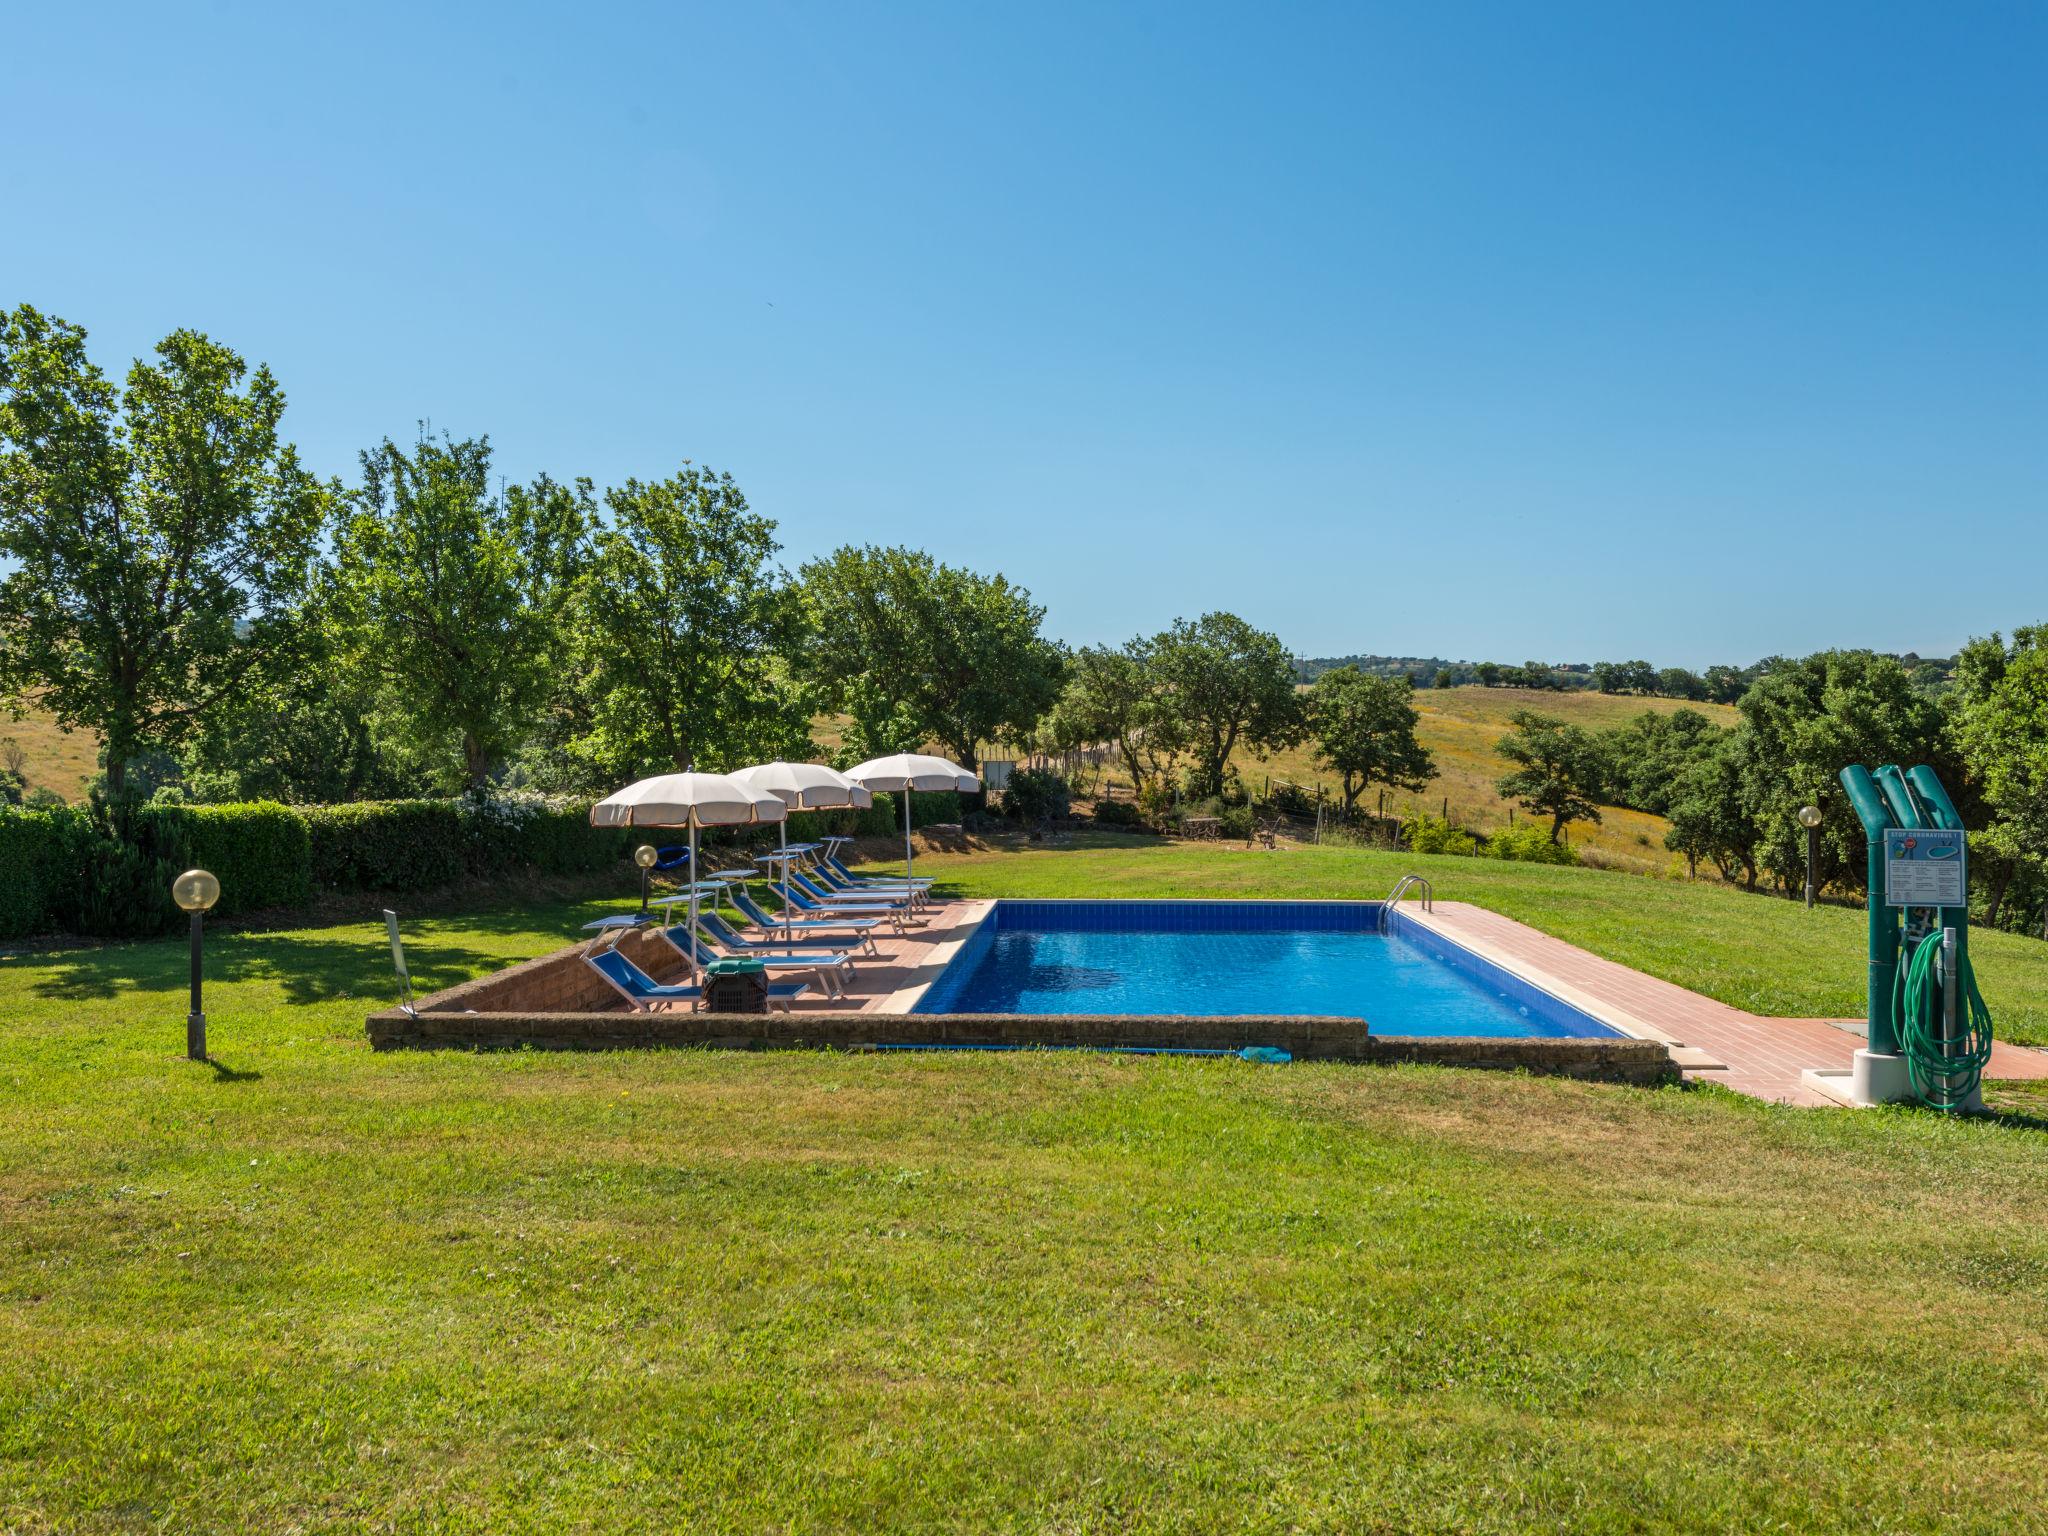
(912, 960)
(1712, 1042)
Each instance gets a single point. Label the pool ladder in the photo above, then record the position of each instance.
(1401, 888)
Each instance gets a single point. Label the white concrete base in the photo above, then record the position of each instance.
(1874, 1079)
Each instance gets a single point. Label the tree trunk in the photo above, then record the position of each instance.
(1557, 826)
(475, 763)
(1998, 884)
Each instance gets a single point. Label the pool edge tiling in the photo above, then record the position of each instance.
(1423, 985)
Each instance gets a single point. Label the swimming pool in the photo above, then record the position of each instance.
(1233, 958)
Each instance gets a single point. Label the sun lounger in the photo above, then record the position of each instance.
(644, 994)
(831, 966)
(830, 861)
(734, 942)
(863, 927)
(802, 888)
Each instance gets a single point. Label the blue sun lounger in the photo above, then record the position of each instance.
(733, 942)
(802, 886)
(896, 912)
(643, 994)
(862, 927)
(832, 966)
(822, 876)
(829, 863)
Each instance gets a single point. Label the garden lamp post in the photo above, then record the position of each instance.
(1809, 818)
(195, 891)
(645, 857)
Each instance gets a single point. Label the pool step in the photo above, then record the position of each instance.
(1690, 1058)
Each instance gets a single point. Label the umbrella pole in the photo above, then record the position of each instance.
(906, 829)
(782, 844)
(695, 979)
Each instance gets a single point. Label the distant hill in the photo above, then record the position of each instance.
(51, 757)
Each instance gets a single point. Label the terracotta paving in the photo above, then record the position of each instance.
(908, 960)
(1754, 1055)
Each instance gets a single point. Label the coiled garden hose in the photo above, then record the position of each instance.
(1944, 1073)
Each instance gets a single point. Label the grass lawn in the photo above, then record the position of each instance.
(316, 1289)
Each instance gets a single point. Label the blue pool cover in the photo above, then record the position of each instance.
(1220, 958)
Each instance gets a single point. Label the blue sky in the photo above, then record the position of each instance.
(1561, 331)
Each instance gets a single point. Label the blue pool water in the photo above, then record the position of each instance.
(1223, 958)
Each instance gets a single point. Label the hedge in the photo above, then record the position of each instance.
(67, 871)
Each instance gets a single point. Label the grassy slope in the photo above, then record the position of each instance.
(1460, 725)
(57, 759)
(322, 1290)
(1757, 953)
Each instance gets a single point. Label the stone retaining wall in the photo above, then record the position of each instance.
(1308, 1039)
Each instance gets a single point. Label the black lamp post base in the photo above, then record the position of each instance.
(195, 1036)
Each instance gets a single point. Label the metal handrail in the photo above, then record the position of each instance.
(1401, 888)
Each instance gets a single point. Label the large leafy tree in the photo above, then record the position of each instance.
(454, 597)
(1112, 696)
(161, 532)
(1709, 817)
(2001, 726)
(918, 651)
(1223, 684)
(1364, 729)
(1805, 721)
(1558, 769)
(683, 627)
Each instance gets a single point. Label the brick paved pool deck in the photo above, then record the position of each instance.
(1712, 1043)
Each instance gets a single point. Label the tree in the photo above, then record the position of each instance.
(1708, 817)
(161, 534)
(1725, 684)
(1678, 683)
(1112, 695)
(1809, 719)
(1364, 730)
(1488, 673)
(1443, 677)
(682, 628)
(920, 651)
(2001, 728)
(314, 736)
(1222, 684)
(455, 597)
(1558, 770)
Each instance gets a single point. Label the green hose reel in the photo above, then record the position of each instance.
(1927, 1010)
(1945, 1053)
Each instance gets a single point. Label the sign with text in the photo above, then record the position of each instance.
(1925, 869)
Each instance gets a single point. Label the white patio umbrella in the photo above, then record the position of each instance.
(800, 787)
(689, 800)
(906, 771)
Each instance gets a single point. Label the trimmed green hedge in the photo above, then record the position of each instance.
(33, 858)
(262, 853)
(66, 872)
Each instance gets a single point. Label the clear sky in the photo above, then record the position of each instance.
(1560, 331)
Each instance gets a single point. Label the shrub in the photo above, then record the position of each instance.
(1119, 814)
(1292, 800)
(34, 849)
(387, 845)
(1528, 843)
(261, 853)
(1235, 822)
(1439, 834)
(1034, 794)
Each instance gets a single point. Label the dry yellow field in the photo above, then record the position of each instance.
(52, 757)
(1460, 726)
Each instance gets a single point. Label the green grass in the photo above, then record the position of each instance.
(1758, 953)
(315, 1289)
